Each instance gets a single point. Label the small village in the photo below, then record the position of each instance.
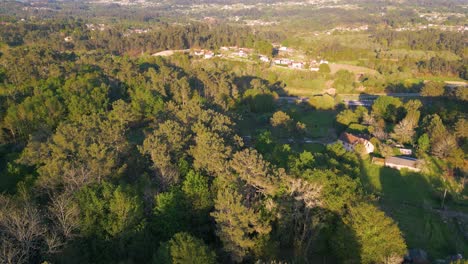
(285, 56)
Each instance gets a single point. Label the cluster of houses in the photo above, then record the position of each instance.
(313, 65)
(350, 29)
(456, 28)
(350, 142)
(236, 52)
(206, 54)
(93, 27)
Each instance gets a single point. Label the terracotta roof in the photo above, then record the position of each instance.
(402, 161)
(350, 138)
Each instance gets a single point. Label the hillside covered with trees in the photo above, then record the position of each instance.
(109, 154)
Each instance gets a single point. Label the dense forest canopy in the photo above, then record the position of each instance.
(112, 154)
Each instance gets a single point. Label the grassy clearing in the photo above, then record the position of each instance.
(250, 123)
(300, 83)
(314, 147)
(428, 231)
(311, 147)
(354, 40)
(303, 91)
(351, 62)
(334, 67)
(319, 124)
(408, 198)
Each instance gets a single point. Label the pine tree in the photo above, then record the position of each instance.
(237, 225)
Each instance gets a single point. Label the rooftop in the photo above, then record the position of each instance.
(350, 138)
(402, 161)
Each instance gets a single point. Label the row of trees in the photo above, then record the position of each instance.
(118, 39)
(430, 39)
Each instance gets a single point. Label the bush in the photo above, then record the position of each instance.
(323, 102)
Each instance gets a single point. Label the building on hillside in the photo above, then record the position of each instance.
(286, 61)
(282, 62)
(350, 141)
(264, 58)
(297, 65)
(208, 55)
(199, 52)
(405, 151)
(242, 53)
(68, 39)
(402, 162)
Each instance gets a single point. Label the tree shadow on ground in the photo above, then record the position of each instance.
(411, 198)
(332, 242)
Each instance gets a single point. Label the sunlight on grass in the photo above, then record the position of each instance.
(408, 198)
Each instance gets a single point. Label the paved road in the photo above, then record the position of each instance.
(368, 99)
(389, 94)
(381, 94)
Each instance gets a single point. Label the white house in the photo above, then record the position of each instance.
(405, 151)
(282, 61)
(283, 48)
(242, 53)
(297, 65)
(209, 55)
(199, 53)
(402, 162)
(350, 141)
(264, 58)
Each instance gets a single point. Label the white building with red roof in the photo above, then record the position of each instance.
(350, 141)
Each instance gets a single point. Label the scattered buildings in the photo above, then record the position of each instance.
(264, 58)
(199, 53)
(402, 162)
(350, 141)
(242, 53)
(297, 65)
(93, 27)
(208, 55)
(282, 61)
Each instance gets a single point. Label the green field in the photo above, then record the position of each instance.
(300, 83)
(351, 68)
(408, 197)
(319, 124)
